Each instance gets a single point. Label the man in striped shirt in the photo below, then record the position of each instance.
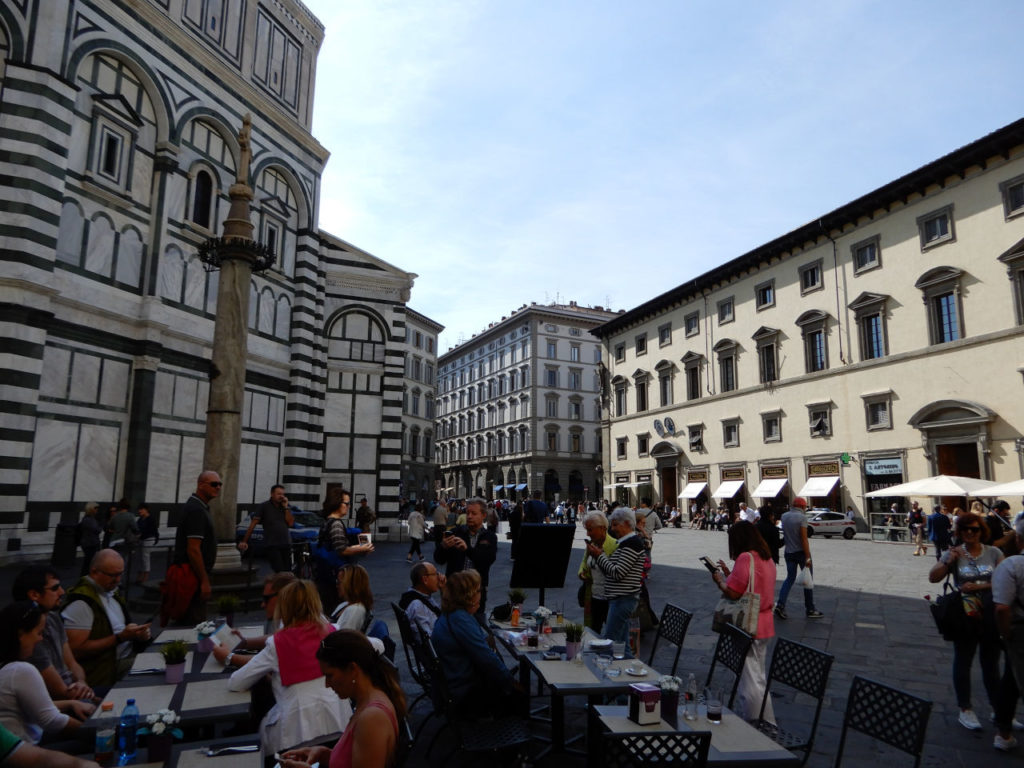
(622, 572)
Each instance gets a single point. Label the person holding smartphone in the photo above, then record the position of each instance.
(470, 547)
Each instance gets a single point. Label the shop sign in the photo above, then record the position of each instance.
(893, 466)
(774, 472)
(697, 477)
(622, 478)
(734, 473)
(823, 469)
(644, 478)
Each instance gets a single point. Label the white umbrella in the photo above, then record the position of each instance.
(1015, 488)
(940, 485)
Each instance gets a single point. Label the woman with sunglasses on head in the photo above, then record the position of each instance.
(304, 709)
(26, 708)
(971, 564)
(355, 670)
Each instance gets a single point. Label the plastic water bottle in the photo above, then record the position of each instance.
(690, 710)
(126, 733)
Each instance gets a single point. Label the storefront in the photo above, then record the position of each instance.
(769, 492)
(882, 472)
(730, 491)
(822, 489)
(695, 494)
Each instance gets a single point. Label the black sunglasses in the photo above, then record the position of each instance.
(216, 484)
(268, 598)
(54, 588)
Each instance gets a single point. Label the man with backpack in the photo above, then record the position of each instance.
(535, 510)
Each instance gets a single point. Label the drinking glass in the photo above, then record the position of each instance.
(619, 650)
(602, 661)
(713, 701)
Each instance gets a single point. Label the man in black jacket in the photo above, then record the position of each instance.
(470, 546)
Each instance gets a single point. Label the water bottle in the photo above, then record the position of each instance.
(126, 733)
(690, 711)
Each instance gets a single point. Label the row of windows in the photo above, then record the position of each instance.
(411, 403)
(492, 446)
(420, 340)
(417, 445)
(940, 288)
(418, 370)
(877, 416)
(494, 363)
(481, 419)
(498, 387)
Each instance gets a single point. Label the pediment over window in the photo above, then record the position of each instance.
(692, 358)
(868, 299)
(1014, 254)
(639, 374)
(725, 345)
(666, 448)
(617, 381)
(764, 333)
(937, 276)
(812, 316)
(665, 366)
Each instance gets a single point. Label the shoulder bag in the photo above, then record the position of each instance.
(743, 611)
(948, 612)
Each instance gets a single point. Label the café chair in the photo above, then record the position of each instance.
(499, 737)
(731, 650)
(896, 718)
(804, 669)
(641, 750)
(411, 637)
(673, 625)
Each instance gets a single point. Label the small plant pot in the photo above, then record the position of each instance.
(159, 747)
(205, 644)
(174, 673)
(670, 707)
(572, 647)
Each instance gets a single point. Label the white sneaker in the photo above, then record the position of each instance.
(969, 720)
(1004, 745)
(1017, 725)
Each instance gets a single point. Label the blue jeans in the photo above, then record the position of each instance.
(616, 627)
(794, 559)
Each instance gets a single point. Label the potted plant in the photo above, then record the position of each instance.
(573, 640)
(204, 631)
(226, 607)
(160, 733)
(670, 685)
(174, 653)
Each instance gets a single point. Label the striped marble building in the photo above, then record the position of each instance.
(118, 142)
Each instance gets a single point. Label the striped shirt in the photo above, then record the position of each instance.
(624, 568)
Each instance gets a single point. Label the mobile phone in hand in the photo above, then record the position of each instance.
(708, 564)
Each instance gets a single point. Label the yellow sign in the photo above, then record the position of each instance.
(776, 472)
(824, 469)
(734, 473)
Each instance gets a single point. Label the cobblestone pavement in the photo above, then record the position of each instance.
(876, 624)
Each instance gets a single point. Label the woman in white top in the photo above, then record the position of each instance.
(305, 708)
(355, 609)
(26, 709)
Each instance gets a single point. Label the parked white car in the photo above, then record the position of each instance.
(825, 522)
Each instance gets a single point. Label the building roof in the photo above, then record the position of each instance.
(900, 191)
(419, 317)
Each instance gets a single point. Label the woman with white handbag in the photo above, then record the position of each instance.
(754, 572)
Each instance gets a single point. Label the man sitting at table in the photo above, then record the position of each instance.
(622, 572)
(272, 586)
(99, 626)
(418, 601)
(64, 677)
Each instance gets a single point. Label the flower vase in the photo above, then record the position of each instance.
(572, 647)
(159, 747)
(205, 644)
(174, 673)
(670, 707)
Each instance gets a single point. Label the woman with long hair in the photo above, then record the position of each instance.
(971, 564)
(478, 681)
(304, 709)
(334, 544)
(26, 709)
(356, 599)
(354, 670)
(746, 546)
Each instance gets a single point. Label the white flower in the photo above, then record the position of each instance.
(669, 683)
(169, 717)
(542, 613)
(206, 628)
(158, 728)
(152, 718)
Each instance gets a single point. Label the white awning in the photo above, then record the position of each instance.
(521, 486)
(728, 489)
(498, 487)
(819, 486)
(769, 489)
(612, 485)
(693, 490)
(633, 485)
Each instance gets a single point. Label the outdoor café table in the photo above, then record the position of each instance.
(734, 742)
(565, 678)
(194, 755)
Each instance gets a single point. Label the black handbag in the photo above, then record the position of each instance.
(948, 612)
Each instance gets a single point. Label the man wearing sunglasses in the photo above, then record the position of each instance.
(195, 547)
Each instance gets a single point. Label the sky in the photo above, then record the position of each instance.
(512, 151)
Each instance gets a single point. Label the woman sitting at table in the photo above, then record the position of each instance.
(354, 670)
(478, 681)
(26, 709)
(305, 709)
(356, 599)
(746, 544)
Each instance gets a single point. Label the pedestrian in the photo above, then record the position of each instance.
(89, 533)
(470, 547)
(417, 525)
(149, 535)
(187, 586)
(275, 515)
(535, 510)
(595, 601)
(623, 572)
(939, 530)
(916, 524)
(1008, 601)
(769, 531)
(365, 516)
(515, 522)
(797, 556)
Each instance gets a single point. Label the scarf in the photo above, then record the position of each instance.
(296, 652)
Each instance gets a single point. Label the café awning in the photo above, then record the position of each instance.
(521, 487)
(693, 490)
(498, 487)
(728, 489)
(769, 488)
(819, 486)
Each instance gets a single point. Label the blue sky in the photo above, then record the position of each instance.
(604, 152)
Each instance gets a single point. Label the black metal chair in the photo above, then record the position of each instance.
(887, 714)
(640, 750)
(486, 739)
(731, 650)
(411, 638)
(804, 669)
(673, 625)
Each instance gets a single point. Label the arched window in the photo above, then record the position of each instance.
(202, 199)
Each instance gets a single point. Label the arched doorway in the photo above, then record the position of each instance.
(955, 436)
(551, 485)
(666, 454)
